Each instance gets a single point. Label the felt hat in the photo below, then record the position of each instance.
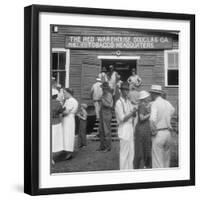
(124, 86)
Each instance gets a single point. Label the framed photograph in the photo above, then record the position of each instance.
(109, 99)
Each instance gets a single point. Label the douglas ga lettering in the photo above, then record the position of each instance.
(118, 42)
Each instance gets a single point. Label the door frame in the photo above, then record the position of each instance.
(115, 57)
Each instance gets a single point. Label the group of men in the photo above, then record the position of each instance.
(125, 108)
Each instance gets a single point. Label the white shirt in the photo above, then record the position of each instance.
(96, 91)
(71, 105)
(161, 113)
(122, 108)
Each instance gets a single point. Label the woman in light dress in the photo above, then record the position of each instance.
(134, 80)
(68, 122)
(57, 133)
(143, 133)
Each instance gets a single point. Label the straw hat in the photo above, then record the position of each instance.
(143, 95)
(156, 89)
(98, 79)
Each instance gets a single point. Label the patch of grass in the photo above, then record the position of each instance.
(88, 159)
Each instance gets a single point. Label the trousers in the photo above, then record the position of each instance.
(161, 145)
(126, 154)
(82, 141)
(105, 128)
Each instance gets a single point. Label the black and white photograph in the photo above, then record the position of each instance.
(114, 99)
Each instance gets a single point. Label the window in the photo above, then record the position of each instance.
(171, 68)
(58, 67)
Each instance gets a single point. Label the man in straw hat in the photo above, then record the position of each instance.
(96, 93)
(105, 118)
(160, 118)
(125, 114)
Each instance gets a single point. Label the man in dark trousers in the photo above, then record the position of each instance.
(105, 118)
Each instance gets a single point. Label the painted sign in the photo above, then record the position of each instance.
(118, 42)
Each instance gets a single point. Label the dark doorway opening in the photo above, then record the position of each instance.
(123, 67)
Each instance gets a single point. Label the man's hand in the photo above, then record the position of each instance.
(153, 128)
(134, 111)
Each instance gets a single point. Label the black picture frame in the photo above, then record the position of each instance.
(31, 98)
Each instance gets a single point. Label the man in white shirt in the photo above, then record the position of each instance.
(125, 114)
(96, 93)
(160, 118)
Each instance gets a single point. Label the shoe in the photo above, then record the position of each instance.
(106, 150)
(100, 149)
(68, 157)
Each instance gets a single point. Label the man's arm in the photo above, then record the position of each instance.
(139, 80)
(153, 118)
(120, 114)
(107, 101)
(92, 92)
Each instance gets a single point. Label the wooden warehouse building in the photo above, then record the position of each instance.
(80, 53)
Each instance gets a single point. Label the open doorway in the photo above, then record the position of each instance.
(123, 67)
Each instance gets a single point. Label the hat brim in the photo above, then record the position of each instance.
(144, 97)
(156, 91)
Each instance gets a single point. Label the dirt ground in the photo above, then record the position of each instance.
(88, 159)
